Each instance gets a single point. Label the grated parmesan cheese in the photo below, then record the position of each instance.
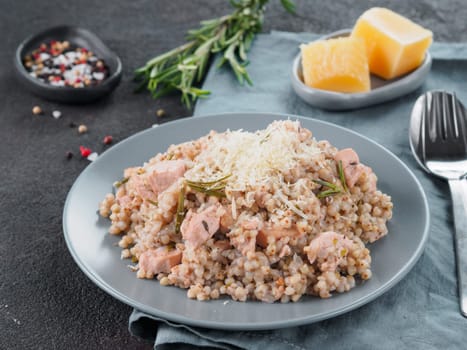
(253, 158)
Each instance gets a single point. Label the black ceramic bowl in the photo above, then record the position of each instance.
(79, 37)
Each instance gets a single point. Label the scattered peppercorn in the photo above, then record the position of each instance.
(82, 129)
(56, 114)
(72, 125)
(108, 140)
(93, 156)
(69, 155)
(62, 64)
(160, 113)
(85, 152)
(36, 110)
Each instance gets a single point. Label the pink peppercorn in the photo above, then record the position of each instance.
(108, 140)
(85, 152)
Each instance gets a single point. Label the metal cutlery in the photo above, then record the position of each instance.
(438, 138)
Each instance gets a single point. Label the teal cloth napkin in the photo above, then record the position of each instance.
(420, 312)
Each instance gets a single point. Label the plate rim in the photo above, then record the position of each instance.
(242, 326)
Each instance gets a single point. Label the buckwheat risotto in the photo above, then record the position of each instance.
(270, 215)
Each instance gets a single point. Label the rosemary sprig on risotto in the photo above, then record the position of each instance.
(211, 188)
(153, 202)
(340, 170)
(180, 209)
(123, 181)
(333, 189)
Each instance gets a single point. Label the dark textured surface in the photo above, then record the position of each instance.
(46, 302)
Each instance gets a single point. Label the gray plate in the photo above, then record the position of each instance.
(95, 252)
(381, 90)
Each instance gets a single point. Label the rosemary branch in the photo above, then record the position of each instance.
(184, 66)
(123, 181)
(333, 188)
(340, 170)
(180, 209)
(212, 188)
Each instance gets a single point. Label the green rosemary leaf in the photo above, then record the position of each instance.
(248, 40)
(200, 92)
(340, 170)
(242, 51)
(141, 70)
(211, 188)
(180, 209)
(327, 193)
(153, 72)
(326, 184)
(152, 84)
(247, 78)
(121, 182)
(152, 202)
(289, 6)
(333, 189)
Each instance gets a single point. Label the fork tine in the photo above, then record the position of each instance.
(460, 120)
(424, 131)
(455, 116)
(433, 116)
(439, 115)
(451, 117)
(446, 121)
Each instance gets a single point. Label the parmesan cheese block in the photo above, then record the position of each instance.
(336, 64)
(395, 45)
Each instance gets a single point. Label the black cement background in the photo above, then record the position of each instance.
(46, 302)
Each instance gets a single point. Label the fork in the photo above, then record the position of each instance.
(443, 141)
